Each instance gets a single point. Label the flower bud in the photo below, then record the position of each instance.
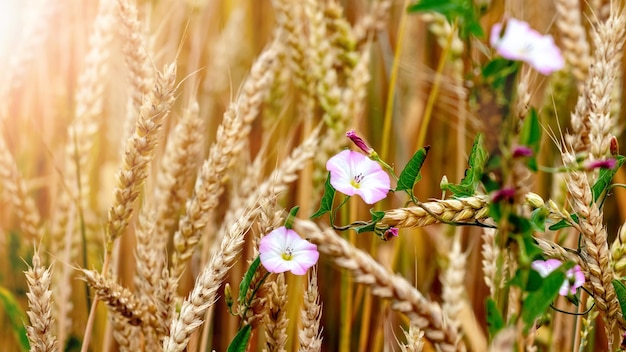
(600, 164)
(534, 200)
(390, 233)
(359, 142)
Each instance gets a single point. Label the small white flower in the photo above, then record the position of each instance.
(284, 250)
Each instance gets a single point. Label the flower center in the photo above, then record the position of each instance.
(287, 254)
(356, 180)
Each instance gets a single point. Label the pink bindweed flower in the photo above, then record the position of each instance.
(359, 142)
(284, 250)
(600, 164)
(353, 173)
(574, 276)
(520, 42)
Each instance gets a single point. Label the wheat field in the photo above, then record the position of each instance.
(146, 148)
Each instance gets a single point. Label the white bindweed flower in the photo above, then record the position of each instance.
(353, 173)
(284, 250)
(520, 42)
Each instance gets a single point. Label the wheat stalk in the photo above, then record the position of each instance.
(424, 314)
(39, 295)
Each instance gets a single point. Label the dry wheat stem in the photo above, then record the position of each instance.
(424, 314)
(208, 282)
(139, 152)
(276, 319)
(310, 333)
(467, 209)
(231, 136)
(39, 295)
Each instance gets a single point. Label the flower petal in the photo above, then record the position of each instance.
(340, 167)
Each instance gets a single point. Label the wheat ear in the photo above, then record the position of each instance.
(204, 293)
(15, 189)
(310, 334)
(424, 314)
(230, 139)
(277, 321)
(180, 160)
(591, 120)
(139, 152)
(453, 282)
(490, 253)
(118, 298)
(594, 235)
(455, 210)
(573, 37)
(39, 295)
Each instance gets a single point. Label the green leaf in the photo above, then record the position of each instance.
(469, 183)
(563, 224)
(326, 204)
(247, 279)
(538, 301)
(604, 178)
(495, 322)
(620, 290)
(376, 217)
(240, 341)
(461, 11)
(292, 215)
(538, 219)
(411, 173)
(16, 316)
(530, 136)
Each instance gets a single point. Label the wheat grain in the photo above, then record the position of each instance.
(414, 340)
(39, 331)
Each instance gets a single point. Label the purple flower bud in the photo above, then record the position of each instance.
(522, 151)
(390, 233)
(504, 194)
(600, 164)
(359, 142)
